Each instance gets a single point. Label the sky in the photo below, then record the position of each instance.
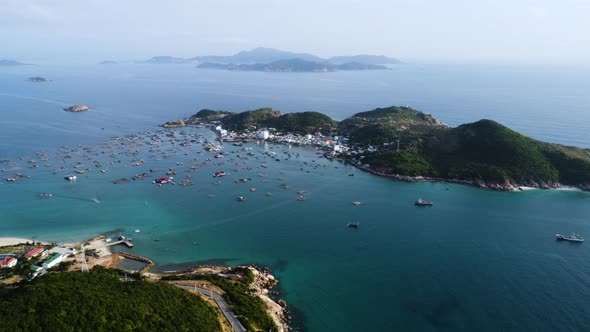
(431, 30)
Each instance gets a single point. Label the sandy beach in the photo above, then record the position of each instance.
(9, 241)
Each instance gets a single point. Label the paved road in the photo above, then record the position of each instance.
(227, 312)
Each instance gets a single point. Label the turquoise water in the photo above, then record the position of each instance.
(476, 260)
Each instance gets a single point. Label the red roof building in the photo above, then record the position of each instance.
(7, 262)
(33, 252)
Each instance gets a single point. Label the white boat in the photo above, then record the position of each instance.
(573, 237)
(423, 202)
(71, 177)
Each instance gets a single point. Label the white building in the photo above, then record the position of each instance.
(264, 134)
(53, 261)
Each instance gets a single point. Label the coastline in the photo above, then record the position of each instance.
(511, 187)
(262, 287)
(97, 252)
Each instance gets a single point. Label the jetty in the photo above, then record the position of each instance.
(126, 242)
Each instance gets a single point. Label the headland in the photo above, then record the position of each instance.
(409, 145)
(242, 291)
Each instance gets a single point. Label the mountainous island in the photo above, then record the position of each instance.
(273, 60)
(407, 144)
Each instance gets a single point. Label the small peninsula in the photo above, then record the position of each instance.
(406, 144)
(78, 108)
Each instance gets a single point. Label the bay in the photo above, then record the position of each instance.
(476, 260)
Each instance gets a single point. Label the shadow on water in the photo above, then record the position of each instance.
(297, 317)
(280, 265)
(437, 312)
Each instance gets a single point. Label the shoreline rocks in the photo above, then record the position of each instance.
(263, 282)
(174, 124)
(508, 185)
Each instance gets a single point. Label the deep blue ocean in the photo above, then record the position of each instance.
(477, 260)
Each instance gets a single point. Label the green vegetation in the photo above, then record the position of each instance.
(300, 123)
(384, 125)
(251, 310)
(206, 115)
(303, 123)
(100, 301)
(483, 152)
(250, 119)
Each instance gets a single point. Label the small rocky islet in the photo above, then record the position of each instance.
(38, 79)
(78, 108)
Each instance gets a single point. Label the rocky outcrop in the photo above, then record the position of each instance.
(263, 282)
(78, 108)
(507, 185)
(174, 124)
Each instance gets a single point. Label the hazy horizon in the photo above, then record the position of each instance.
(457, 30)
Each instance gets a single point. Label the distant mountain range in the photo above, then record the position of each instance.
(268, 59)
(4, 62)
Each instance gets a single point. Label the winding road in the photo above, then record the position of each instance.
(225, 309)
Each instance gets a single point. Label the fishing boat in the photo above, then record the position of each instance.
(71, 177)
(220, 174)
(356, 203)
(164, 180)
(353, 225)
(241, 199)
(423, 202)
(573, 237)
(301, 198)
